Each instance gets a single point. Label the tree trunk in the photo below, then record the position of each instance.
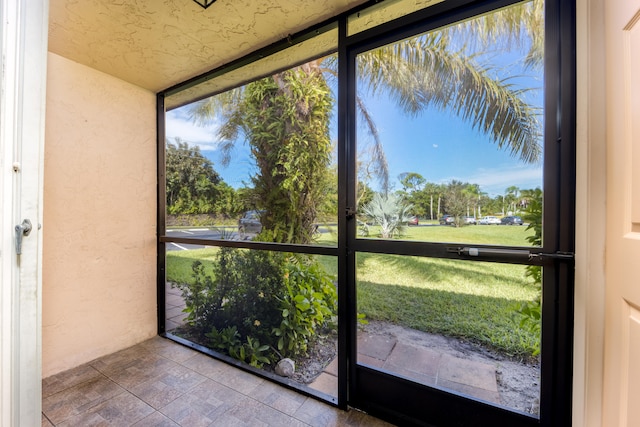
(431, 207)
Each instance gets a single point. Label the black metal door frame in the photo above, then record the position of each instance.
(403, 401)
(407, 402)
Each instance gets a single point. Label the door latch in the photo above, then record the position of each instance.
(22, 230)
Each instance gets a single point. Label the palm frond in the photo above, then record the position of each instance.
(378, 157)
(423, 72)
(515, 26)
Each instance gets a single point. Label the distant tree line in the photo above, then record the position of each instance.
(432, 200)
(194, 187)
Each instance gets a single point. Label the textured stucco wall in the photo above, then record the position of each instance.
(99, 216)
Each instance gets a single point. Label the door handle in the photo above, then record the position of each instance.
(483, 252)
(22, 230)
(512, 254)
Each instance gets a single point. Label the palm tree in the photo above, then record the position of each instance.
(390, 212)
(285, 117)
(433, 189)
(512, 194)
(472, 191)
(430, 70)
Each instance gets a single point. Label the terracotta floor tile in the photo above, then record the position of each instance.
(122, 359)
(156, 393)
(360, 419)
(165, 348)
(122, 410)
(239, 380)
(156, 419)
(207, 366)
(167, 386)
(203, 404)
(46, 422)
(67, 379)
(254, 413)
(318, 414)
(326, 383)
(186, 388)
(139, 371)
(284, 400)
(79, 399)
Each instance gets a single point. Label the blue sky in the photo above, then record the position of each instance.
(437, 145)
(442, 147)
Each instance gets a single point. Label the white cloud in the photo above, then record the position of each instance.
(179, 125)
(435, 145)
(495, 180)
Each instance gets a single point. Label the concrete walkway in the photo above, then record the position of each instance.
(420, 364)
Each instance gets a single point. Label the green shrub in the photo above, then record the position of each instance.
(308, 304)
(258, 306)
(528, 315)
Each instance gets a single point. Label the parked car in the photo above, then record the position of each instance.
(489, 220)
(413, 221)
(250, 222)
(470, 220)
(511, 220)
(447, 220)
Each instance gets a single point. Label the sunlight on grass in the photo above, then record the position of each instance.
(469, 300)
(179, 263)
(478, 234)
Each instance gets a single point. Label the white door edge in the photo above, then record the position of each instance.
(23, 44)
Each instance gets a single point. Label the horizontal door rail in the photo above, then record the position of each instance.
(503, 254)
(248, 244)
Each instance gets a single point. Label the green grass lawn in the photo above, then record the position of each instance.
(470, 300)
(179, 263)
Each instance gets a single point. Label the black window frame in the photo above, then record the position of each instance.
(560, 85)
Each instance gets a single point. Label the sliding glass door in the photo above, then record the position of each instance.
(386, 201)
(459, 265)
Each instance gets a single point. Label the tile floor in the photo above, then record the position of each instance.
(161, 383)
(396, 354)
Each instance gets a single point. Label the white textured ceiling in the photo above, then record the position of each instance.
(156, 44)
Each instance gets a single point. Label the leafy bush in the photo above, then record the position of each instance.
(528, 315)
(258, 306)
(228, 340)
(308, 304)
